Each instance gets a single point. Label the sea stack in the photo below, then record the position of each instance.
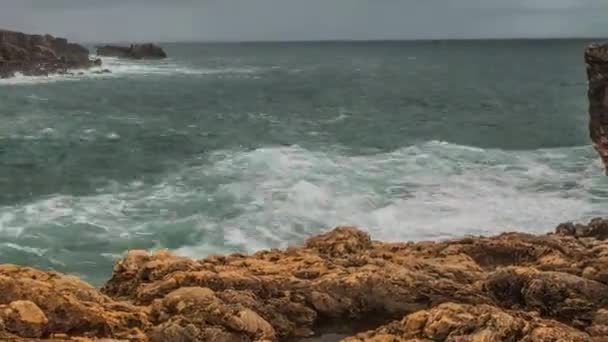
(134, 51)
(40, 55)
(596, 58)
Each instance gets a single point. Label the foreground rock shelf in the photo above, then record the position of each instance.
(512, 287)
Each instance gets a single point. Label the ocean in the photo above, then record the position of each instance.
(241, 147)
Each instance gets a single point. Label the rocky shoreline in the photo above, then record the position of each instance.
(340, 285)
(40, 55)
(511, 287)
(44, 55)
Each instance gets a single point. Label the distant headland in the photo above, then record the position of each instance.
(44, 55)
(137, 51)
(40, 55)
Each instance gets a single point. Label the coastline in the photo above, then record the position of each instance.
(547, 287)
(41, 55)
(551, 287)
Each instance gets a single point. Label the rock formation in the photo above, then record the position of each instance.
(596, 57)
(143, 51)
(38, 55)
(512, 287)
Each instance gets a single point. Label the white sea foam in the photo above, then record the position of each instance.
(165, 67)
(21, 79)
(127, 68)
(270, 197)
(113, 136)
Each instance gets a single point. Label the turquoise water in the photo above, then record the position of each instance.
(228, 147)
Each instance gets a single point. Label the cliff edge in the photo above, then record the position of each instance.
(512, 287)
(596, 58)
(40, 55)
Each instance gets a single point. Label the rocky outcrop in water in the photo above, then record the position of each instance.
(40, 55)
(143, 51)
(512, 287)
(596, 57)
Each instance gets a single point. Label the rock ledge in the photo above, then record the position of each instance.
(511, 287)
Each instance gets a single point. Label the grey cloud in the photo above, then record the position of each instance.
(159, 20)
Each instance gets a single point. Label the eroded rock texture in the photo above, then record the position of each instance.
(479, 323)
(596, 57)
(512, 287)
(37, 55)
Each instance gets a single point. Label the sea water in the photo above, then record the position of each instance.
(240, 147)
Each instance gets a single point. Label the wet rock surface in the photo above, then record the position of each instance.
(511, 287)
(40, 55)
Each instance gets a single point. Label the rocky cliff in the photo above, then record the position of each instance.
(37, 55)
(596, 57)
(512, 287)
(143, 51)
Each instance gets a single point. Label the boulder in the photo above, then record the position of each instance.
(24, 318)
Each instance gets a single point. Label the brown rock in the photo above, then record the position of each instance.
(70, 305)
(466, 323)
(511, 287)
(24, 318)
(566, 297)
(205, 314)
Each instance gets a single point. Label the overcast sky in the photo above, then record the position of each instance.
(200, 20)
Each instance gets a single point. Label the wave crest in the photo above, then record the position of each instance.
(273, 196)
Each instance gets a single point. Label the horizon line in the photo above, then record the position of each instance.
(415, 40)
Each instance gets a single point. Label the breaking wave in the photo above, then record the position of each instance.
(275, 196)
(128, 68)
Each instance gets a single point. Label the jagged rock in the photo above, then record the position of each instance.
(597, 228)
(69, 305)
(466, 323)
(36, 55)
(198, 312)
(137, 51)
(565, 297)
(337, 276)
(596, 57)
(511, 287)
